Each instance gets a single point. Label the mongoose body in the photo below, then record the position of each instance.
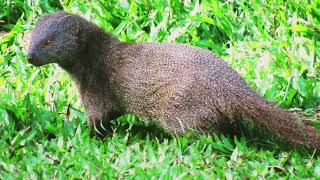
(180, 87)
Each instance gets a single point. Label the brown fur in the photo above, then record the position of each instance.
(179, 86)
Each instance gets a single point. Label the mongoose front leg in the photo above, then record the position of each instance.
(100, 112)
(100, 124)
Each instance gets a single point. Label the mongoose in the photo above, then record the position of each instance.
(180, 87)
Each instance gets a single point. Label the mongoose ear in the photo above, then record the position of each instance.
(70, 22)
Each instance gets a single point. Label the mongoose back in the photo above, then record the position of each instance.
(180, 87)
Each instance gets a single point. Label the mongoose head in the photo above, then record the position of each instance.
(55, 39)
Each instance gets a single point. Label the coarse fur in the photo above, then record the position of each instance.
(179, 86)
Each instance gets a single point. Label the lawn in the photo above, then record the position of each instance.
(274, 45)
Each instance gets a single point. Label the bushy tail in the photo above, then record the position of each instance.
(282, 123)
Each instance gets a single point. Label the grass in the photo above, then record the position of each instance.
(273, 45)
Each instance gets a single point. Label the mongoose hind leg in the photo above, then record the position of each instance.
(229, 127)
(199, 120)
(179, 122)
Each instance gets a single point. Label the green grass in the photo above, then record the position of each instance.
(274, 46)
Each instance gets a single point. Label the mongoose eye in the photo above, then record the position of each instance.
(46, 43)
